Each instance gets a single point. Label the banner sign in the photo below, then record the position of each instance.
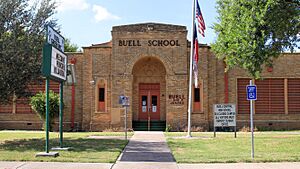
(224, 115)
(55, 39)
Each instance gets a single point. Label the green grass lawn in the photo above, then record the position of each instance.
(23, 146)
(204, 148)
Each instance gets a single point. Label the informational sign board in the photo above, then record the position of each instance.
(251, 92)
(54, 63)
(58, 64)
(224, 115)
(55, 39)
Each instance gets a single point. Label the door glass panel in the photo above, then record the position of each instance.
(154, 103)
(144, 103)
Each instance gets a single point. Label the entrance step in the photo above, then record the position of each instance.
(154, 125)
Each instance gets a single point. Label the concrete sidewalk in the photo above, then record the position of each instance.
(53, 165)
(146, 150)
(145, 165)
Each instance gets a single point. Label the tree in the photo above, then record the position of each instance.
(70, 47)
(38, 104)
(21, 40)
(252, 33)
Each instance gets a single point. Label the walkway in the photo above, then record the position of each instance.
(146, 150)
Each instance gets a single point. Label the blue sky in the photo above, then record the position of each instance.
(88, 22)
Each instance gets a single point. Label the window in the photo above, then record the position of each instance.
(243, 103)
(294, 96)
(101, 104)
(270, 96)
(6, 108)
(196, 95)
(21, 105)
(101, 94)
(197, 103)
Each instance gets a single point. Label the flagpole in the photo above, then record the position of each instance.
(191, 73)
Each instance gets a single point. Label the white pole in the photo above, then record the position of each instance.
(251, 121)
(191, 72)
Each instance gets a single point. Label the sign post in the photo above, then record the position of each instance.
(224, 116)
(61, 114)
(54, 67)
(124, 100)
(251, 95)
(47, 116)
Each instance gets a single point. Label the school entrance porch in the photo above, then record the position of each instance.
(149, 89)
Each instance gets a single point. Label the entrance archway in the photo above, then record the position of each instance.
(149, 94)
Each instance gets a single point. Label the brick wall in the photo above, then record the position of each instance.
(142, 53)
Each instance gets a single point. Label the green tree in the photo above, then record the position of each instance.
(21, 40)
(38, 104)
(70, 47)
(252, 33)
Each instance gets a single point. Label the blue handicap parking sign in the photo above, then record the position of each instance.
(251, 92)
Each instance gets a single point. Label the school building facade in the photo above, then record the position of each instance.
(149, 62)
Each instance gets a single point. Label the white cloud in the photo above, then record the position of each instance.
(101, 14)
(65, 5)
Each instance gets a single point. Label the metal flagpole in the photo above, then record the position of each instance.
(191, 72)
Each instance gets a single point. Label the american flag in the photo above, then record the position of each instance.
(200, 20)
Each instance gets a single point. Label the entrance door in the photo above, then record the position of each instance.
(149, 106)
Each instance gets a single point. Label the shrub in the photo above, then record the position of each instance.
(168, 128)
(38, 104)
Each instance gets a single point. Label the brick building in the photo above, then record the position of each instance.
(149, 63)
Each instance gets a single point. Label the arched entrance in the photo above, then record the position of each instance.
(149, 91)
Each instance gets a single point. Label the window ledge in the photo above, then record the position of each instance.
(198, 112)
(101, 112)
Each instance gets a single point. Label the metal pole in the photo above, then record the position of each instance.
(235, 131)
(214, 131)
(47, 115)
(191, 72)
(61, 114)
(125, 122)
(251, 121)
(148, 109)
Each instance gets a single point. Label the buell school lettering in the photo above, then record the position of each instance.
(149, 43)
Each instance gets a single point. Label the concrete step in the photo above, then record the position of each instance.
(154, 125)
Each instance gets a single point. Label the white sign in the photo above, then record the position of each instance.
(224, 115)
(55, 39)
(153, 109)
(144, 108)
(58, 64)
